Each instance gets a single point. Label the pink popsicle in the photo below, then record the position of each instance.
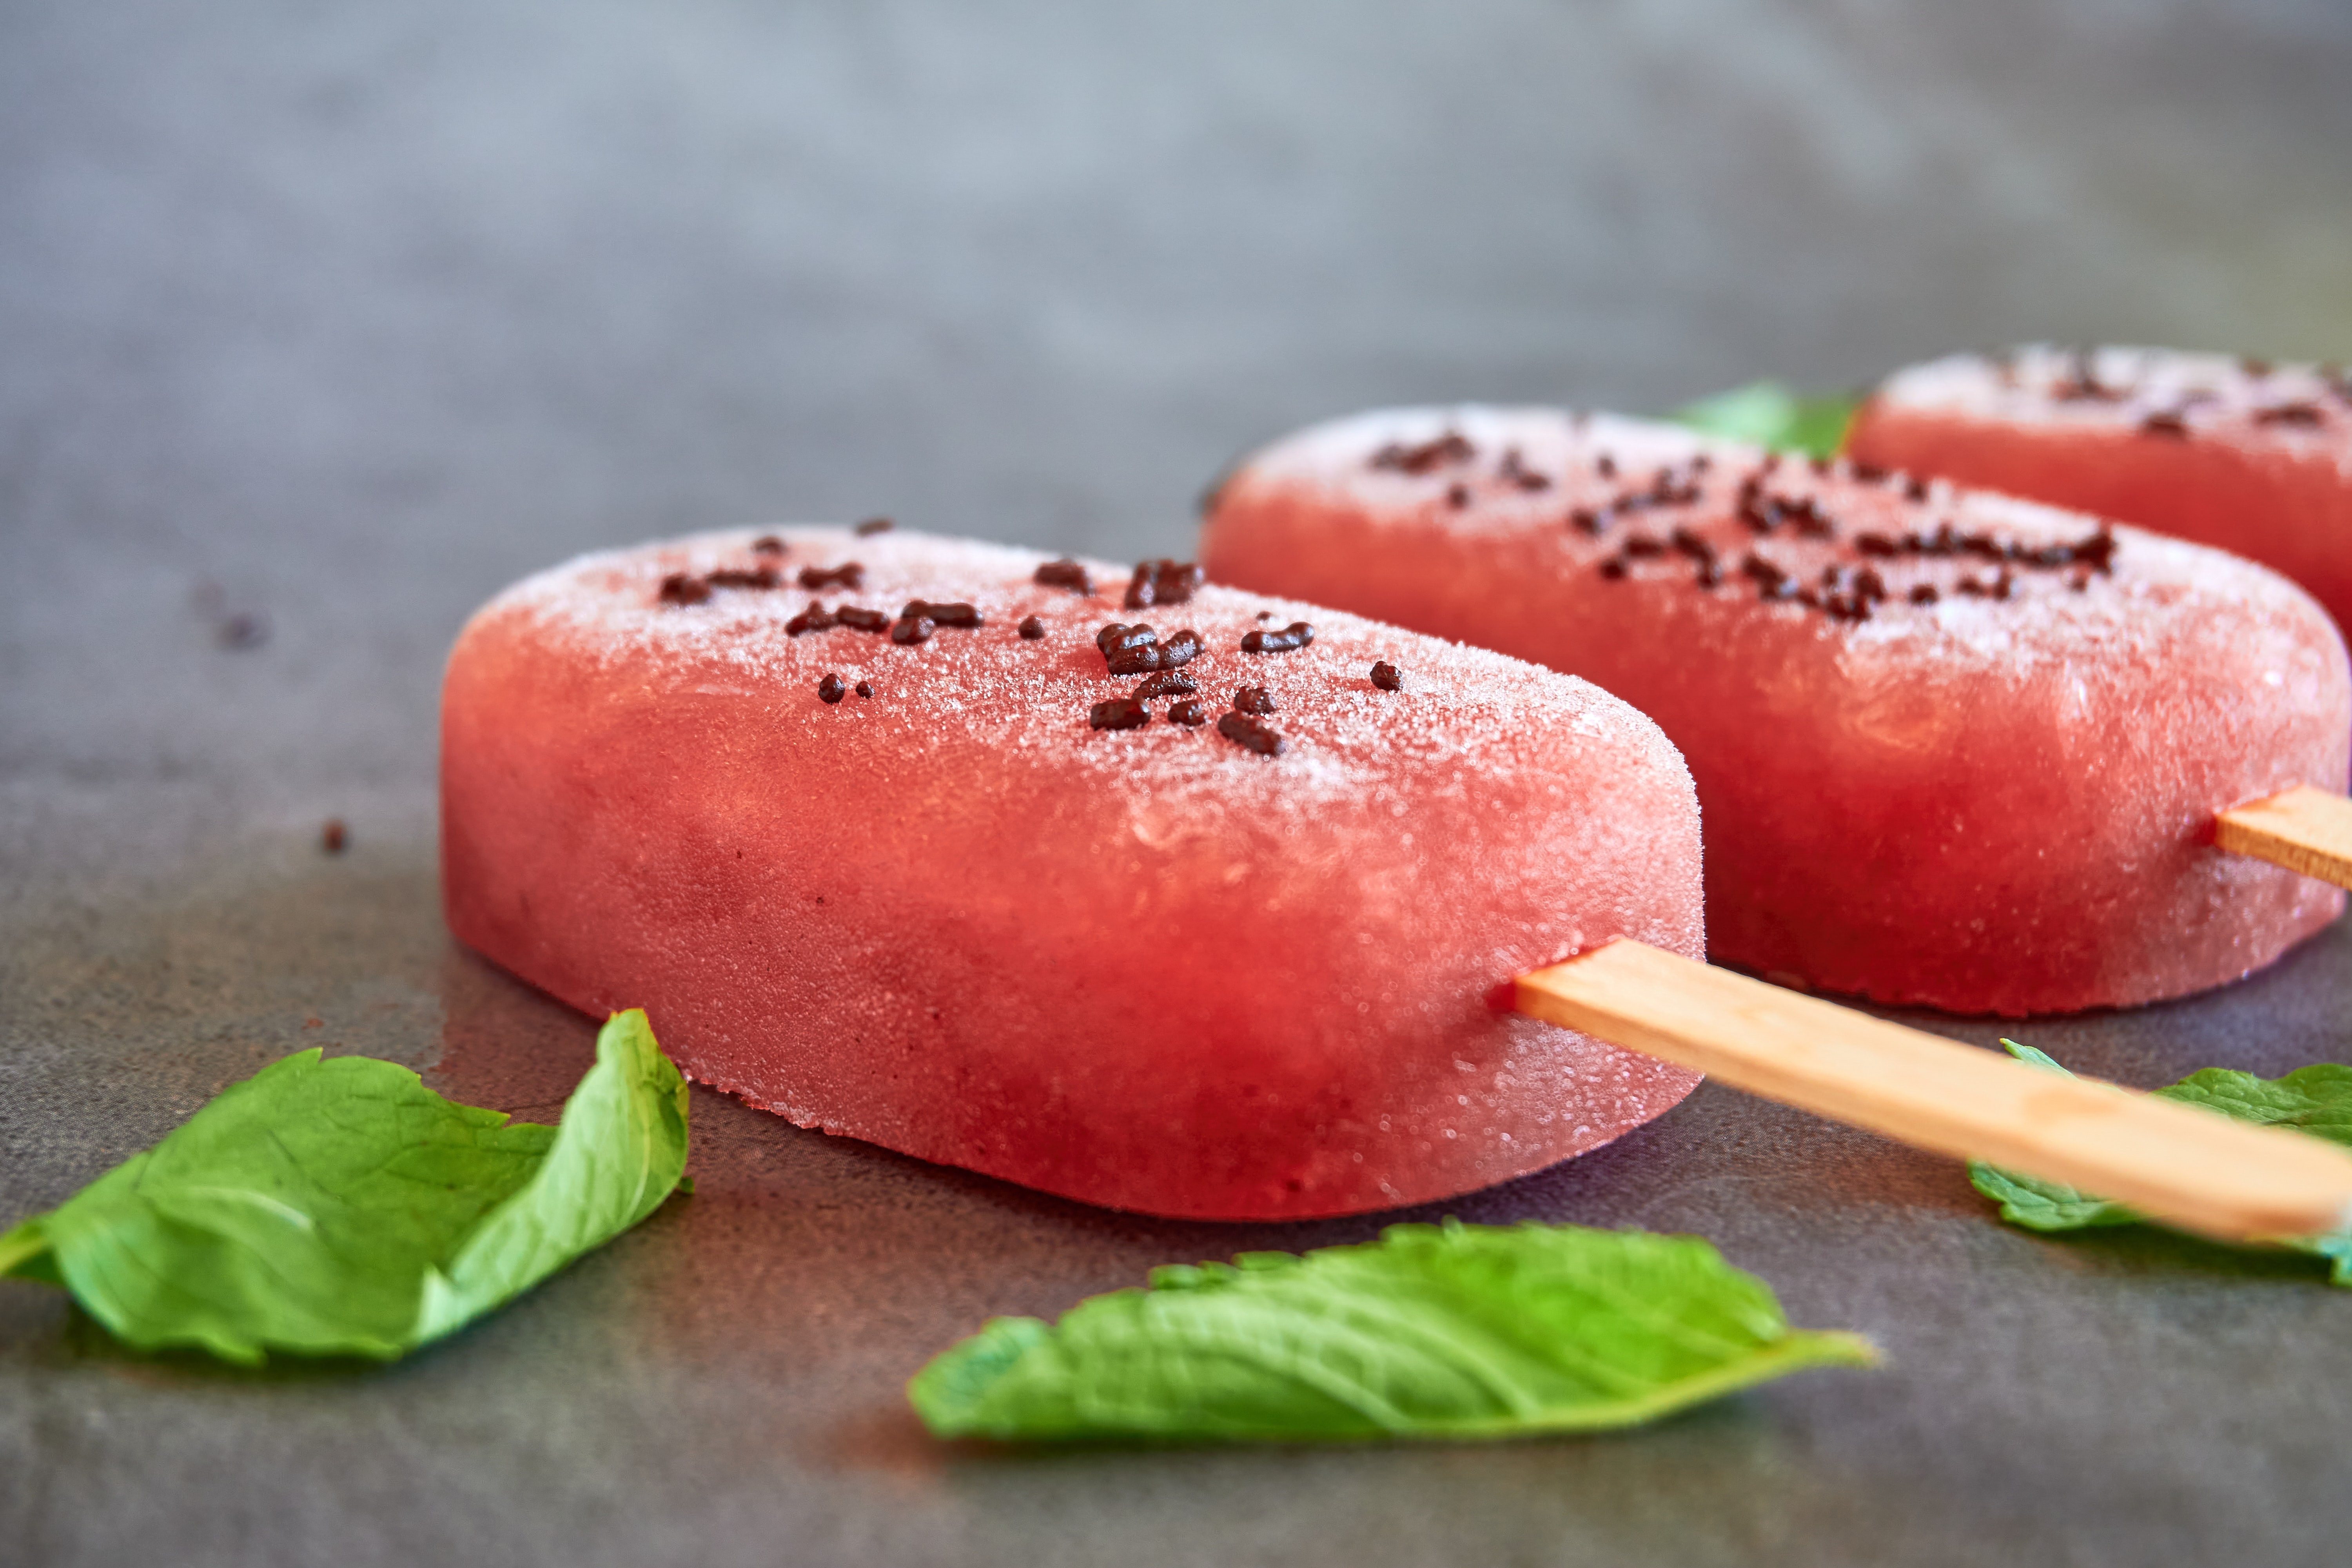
(1952, 749)
(2252, 458)
(1155, 968)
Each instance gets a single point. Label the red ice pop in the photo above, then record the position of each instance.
(1952, 749)
(2252, 457)
(1239, 967)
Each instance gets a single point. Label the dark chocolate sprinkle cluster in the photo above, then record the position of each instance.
(1846, 590)
(1163, 583)
(1138, 650)
(686, 588)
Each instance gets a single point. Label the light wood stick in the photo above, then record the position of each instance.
(2188, 1166)
(2304, 829)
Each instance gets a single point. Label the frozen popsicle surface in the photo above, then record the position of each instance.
(1222, 969)
(2253, 458)
(1952, 749)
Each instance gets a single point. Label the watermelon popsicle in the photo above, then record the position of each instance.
(1953, 748)
(875, 832)
(2252, 457)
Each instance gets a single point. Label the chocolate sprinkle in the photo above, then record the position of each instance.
(680, 588)
(831, 689)
(1065, 573)
(816, 619)
(2303, 413)
(1167, 683)
(1032, 628)
(730, 577)
(1191, 713)
(848, 575)
(1297, 633)
(1925, 594)
(872, 526)
(767, 545)
(958, 615)
(1253, 700)
(862, 619)
(910, 630)
(1386, 677)
(2166, 422)
(866, 689)
(1250, 735)
(1120, 714)
(1137, 650)
(1450, 447)
(1586, 521)
(1163, 583)
(334, 835)
(1118, 636)
(1514, 471)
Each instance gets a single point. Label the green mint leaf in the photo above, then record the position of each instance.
(1766, 414)
(619, 1150)
(341, 1207)
(1431, 1331)
(2316, 1099)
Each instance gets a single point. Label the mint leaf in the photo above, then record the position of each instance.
(341, 1208)
(2316, 1099)
(1766, 414)
(1431, 1331)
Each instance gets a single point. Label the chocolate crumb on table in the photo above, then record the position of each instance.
(242, 632)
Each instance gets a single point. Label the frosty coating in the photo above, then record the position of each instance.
(1952, 749)
(1167, 964)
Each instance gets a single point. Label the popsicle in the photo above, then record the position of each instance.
(1953, 748)
(1167, 897)
(2253, 458)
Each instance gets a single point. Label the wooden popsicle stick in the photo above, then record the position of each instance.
(2187, 1167)
(2304, 829)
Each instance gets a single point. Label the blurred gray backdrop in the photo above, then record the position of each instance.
(319, 321)
(342, 315)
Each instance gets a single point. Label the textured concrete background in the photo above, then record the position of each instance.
(334, 318)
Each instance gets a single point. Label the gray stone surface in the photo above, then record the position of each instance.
(339, 316)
